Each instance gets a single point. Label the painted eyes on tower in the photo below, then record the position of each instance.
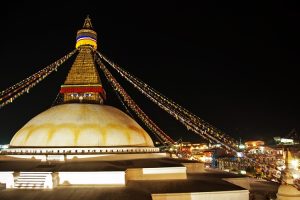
(81, 95)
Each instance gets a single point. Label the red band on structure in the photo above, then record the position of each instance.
(98, 89)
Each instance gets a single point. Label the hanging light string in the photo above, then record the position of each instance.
(58, 99)
(129, 113)
(122, 102)
(10, 94)
(28, 79)
(191, 121)
(132, 105)
(182, 119)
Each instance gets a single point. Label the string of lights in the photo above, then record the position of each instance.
(28, 79)
(133, 106)
(188, 124)
(191, 121)
(10, 94)
(131, 115)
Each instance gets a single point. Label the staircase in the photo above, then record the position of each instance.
(34, 180)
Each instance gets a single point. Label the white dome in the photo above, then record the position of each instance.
(81, 125)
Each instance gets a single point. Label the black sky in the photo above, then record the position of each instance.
(235, 66)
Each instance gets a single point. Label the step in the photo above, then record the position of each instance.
(29, 187)
(29, 182)
(35, 172)
(31, 178)
(21, 174)
(26, 181)
(41, 175)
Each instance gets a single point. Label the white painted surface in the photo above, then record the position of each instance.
(160, 173)
(106, 156)
(7, 178)
(164, 170)
(92, 178)
(81, 125)
(221, 195)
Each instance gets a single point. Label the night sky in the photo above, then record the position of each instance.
(235, 66)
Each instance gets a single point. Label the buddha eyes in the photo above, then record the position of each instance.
(87, 95)
(74, 95)
(81, 95)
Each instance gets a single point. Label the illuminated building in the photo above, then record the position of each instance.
(283, 141)
(256, 143)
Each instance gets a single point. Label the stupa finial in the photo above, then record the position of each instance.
(86, 36)
(87, 23)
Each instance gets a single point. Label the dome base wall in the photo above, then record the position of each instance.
(70, 153)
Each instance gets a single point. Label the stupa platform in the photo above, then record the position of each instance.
(150, 178)
(206, 183)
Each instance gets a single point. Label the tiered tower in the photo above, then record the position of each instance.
(83, 84)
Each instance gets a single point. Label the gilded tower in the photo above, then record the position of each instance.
(83, 84)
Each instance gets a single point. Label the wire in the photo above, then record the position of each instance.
(130, 103)
(188, 119)
(10, 94)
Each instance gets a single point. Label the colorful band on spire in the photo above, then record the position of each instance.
(86, 36)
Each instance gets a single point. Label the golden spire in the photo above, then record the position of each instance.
(83, 70)
(83, 84)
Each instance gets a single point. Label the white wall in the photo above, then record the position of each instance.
(223, 195)
(7, 178)
(92, 178)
